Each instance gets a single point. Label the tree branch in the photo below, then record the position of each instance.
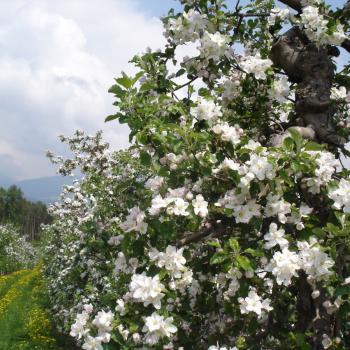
(210, 230)
(311, 68)
(294, 4)
(346, 45)
(185, 84)
(253, 14)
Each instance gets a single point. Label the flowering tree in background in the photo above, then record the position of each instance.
(15, 252)
(226, 225)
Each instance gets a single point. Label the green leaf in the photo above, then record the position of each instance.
(342, 218)
(214, 244)
(125, 81)
(111, 117)
(116, 90)
(297, 138)
(255, 253)
(167, 229)
(243, 262)
(137, 77)
(288, 144)
(218, 258)
(343, 290)
(300, 340)
(319, 232)
(233, 244)
(313, 146)
(204, 92)
(335, 230)
(180, 72)
(145, 158)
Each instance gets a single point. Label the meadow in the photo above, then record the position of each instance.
(24, 320)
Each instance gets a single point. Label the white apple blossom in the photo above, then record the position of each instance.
(244, 213)
(186, 28)
(284, 266)
(178, 207)
(278, 14)
(229, 164)
(157, 327)
(120, 308)
(121, 265)
(261, 167)
(172, 260)
(158, 203)
(256, 65)
(92, 343)
(245, 180)
(103, 321)
(173, 160)
(277, 206)
(275, 237)
(280, 89)
(232, 199)
(147, 290)
(135, 221)
(316, 28)
(206, 110)
(252, 145)
(326, 167)
(154, 183)
(232, 88)
(313, 260)
(254, 303)
(326, 341)
(339, 93)
(200, 206)
(214, 46)
(78, 329)
(124, 332)
(341, 196)
(228, 133)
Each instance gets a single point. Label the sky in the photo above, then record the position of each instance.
(57, 61)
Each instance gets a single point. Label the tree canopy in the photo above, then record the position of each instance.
(226, 225)
(16, 210)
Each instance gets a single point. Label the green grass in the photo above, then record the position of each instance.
(7, 281)
(24, 321)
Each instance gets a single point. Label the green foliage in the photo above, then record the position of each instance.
(18, 211)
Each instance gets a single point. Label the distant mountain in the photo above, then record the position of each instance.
(45, 189)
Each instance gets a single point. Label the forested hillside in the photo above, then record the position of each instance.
(20, 212)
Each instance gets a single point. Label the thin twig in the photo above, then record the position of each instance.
(186, 84)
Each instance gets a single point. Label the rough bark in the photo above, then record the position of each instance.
(311, 68)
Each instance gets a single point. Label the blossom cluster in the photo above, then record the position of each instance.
(15, 252)
(316, 27)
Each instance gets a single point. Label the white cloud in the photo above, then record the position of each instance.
(57, 60)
